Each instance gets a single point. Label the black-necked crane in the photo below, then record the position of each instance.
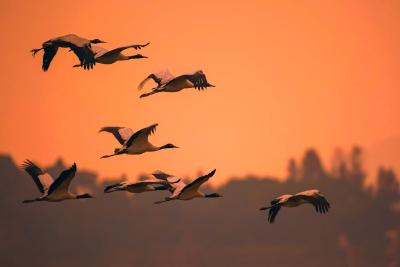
(166, 82)
(139, 186)
(313, 197)
(104, 56)
(134, 143)
(79, 45)
(52, 191)
(191, 190)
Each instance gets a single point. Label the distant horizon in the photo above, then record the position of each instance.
(371, 177)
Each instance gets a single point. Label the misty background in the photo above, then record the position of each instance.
(120, 229)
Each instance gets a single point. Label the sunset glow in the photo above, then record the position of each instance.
(288, 76)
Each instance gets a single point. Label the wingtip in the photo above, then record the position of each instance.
(74, 167)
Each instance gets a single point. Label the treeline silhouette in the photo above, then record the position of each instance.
(361, 229)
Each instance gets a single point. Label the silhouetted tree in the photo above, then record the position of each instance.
(311, 168)
(338, 163)
(118, 229)
(388, 186)
(357, 174)
(292, 173)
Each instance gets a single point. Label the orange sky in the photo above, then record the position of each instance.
(289, 74)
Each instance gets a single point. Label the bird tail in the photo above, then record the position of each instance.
(35, 51)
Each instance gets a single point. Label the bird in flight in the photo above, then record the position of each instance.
(139, 186)
(79, 45)
(104, 56)
(166, 82)
(52, 190)
(134, 143)
(189, 191)
(313, 197)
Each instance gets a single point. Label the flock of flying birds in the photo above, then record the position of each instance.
(136, 143)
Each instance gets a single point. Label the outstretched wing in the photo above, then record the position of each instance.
(49, 52)
(142, 135)
(85, 56)
(315, 197)
(198, 79)
(61, 184)
(194, 185)
(275, 207)
(122, 48)
(42, 179)
(122, 134)
(161, 78)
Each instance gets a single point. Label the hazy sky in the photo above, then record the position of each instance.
(289, 74)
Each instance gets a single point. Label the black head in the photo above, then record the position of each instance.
(213, 195)
(85, 196)
(138, 56)
(96, 41)
(168, 146)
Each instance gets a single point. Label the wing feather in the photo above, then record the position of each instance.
(199, 80)
(161, 78)
(63, 181)
(42, 179)
(141, 135)
(316, 198)
(49, 52)
(122, 134)
(198, 182)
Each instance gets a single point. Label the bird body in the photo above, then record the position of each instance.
(79, 45)
(52, 191)
(138, 187)
(133, 143)
(168, 83)
(190, 191)
(313, 197)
